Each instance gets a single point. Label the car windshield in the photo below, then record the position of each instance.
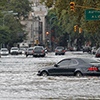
(14, 48)
(38, 48)
(87, 60)
(60, 48)
(4, 50)
(30, 49)
(22, 48)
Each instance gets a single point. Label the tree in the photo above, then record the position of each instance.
(91, 28)
(19, 6)
(12, 23)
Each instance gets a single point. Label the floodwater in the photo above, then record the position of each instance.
(19, 80)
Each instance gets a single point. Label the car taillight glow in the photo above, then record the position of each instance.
(43, 51)
(97, 55)
(93, 68)
(55, 50)
(33, 51)
(63, 50)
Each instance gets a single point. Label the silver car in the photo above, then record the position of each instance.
(29, 51)
(4, 51)
(59, 50)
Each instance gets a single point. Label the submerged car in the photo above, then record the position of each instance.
(22, 50)
(39, 51)
(97, 54)
(59, 50)
(14, 51)
(29, 51)
(93, 51)
(4, 51)
(87, 49)
(72, 66)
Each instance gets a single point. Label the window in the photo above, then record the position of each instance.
(73, 62)
(64, 62)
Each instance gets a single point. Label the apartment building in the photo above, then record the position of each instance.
(36, 23)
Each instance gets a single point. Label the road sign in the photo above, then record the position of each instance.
(92, 14)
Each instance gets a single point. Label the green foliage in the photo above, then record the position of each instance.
(12, 25)
(19, 6)
(4, 34)
(91, 28)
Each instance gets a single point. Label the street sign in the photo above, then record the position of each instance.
(92, 14)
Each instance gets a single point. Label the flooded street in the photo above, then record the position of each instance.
(19, 80)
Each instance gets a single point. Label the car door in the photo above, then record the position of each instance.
(61, 68)
(72, 66)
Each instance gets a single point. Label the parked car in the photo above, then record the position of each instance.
(39, 51)
(60, 50)
(72, 66)
(93, 50)
(14, 50)
(87, 49)
(22, 50)
(29, 51)
(97, 54)
(4, 51)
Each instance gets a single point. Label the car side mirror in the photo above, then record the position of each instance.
(56, 65)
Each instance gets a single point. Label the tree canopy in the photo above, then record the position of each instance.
(90, 29)
(10, 24)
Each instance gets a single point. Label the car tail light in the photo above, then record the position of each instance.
(93, 68)
(63, 50)
(97, 55)
(43, 51)
(55, 50)
(33, 51)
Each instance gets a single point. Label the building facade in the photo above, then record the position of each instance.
(36, 24)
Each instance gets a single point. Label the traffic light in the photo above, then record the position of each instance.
(75, 28)
(47, 33)
(36, 41)
(80, 30)
(72, 5)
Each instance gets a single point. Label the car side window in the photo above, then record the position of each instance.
(73, 62)
(64, 62)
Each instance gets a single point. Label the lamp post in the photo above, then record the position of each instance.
(50, 31)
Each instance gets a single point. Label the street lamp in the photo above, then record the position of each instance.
(50, 31)
(7, 13)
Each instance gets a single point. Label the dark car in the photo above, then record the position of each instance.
(59, 50)
(97, 54)
(87, 49)
(39, 51)
(72, 66)
(29, 51)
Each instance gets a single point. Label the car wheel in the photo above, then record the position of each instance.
(44, 74)
(78, 74)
